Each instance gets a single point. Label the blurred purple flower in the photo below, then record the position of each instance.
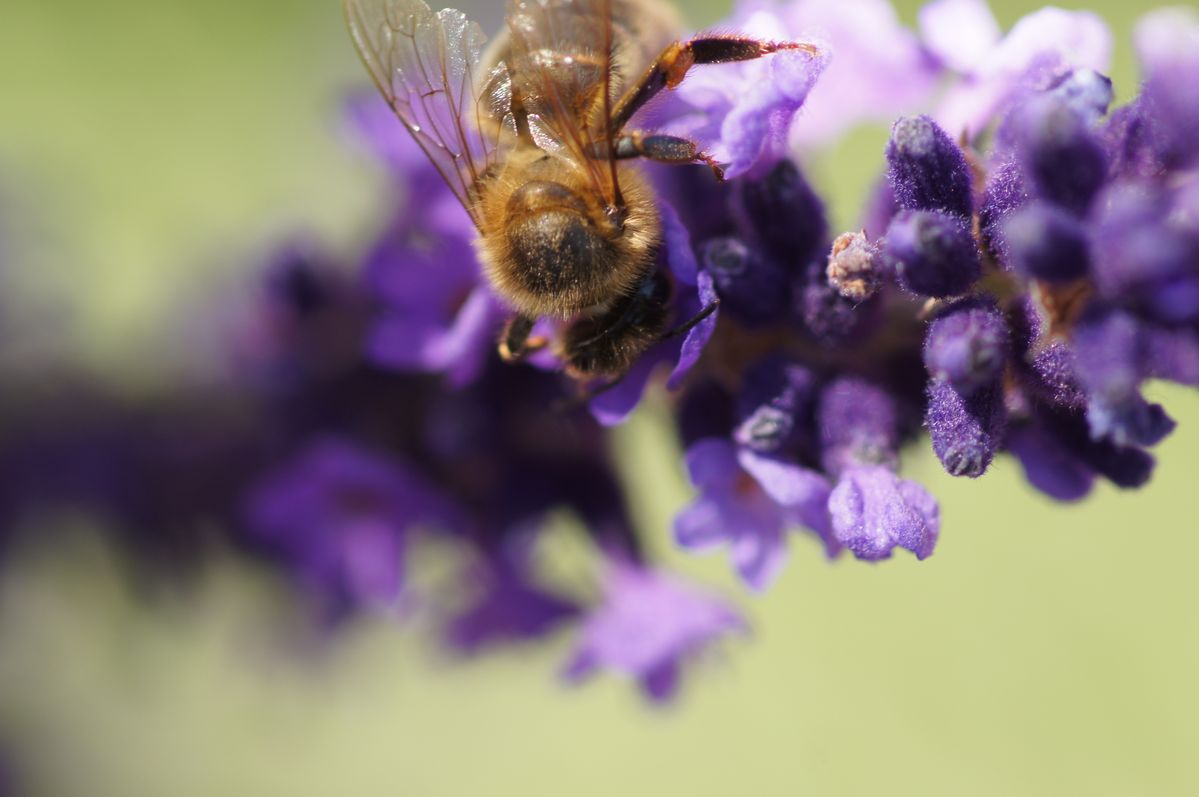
(748, 501)
(341, 516)
(647, 626)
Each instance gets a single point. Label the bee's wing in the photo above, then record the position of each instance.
(561, 55)
(425, 63)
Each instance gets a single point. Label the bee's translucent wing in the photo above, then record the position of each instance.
(425, 63)
(561, 55)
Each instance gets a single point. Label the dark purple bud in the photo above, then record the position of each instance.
(826, 316)
(1126, 467)
(967, 345)
(1063, 160)
(774, 408)
(1110, 356)
(705, 410)
(1004, 193)
(855, 267)
(966, 431)
(934, 253)
(1048, 465)
(880, 209)
(752, 290)
(1142, 259)
(927, 169)
(782, 214)
(1133, 422)
(858, 425)
(1086, 92)
(1044, 242)
(1173, 354)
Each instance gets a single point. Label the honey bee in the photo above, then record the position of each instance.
(533, 138)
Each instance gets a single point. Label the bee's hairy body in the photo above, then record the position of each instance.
(537, 152)
(551, 249)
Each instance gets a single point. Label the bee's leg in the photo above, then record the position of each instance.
(674, 62)
(660, 148)
(516, 342)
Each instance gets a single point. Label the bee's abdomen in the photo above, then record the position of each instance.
(559, 261)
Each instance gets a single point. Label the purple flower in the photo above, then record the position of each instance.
(878, 68)
(506, 606)
(1046, 243)
(747, 501)
(966, 430)
(742, 112)
(646, 627)
(874, 511)
(1040, 48)
(341, 516)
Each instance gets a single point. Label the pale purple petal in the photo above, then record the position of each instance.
(873, 511)
(788, 483)
(1041, 46)
(759, 556)
(878, 69)
(700, 527)
(959, 32)
(712, 464)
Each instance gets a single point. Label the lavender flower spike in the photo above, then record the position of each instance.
(648, 624)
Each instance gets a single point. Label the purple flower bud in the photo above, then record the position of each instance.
(782, 214)
(1048, 465)
(1173, 354)
(1134, 141)
(855, 268)
(1055, 375)
(1045, 242)
(858, 425)
(774, 408)
(934, 253)
(507, 607)
(1112, 364)
(967, 345)
(826, 316)
(966, 431)
(1142, 260)
(1125, 467)
(874, 511)
(1063, 160)
(927, 169)
(752, 289)
(1005, 192)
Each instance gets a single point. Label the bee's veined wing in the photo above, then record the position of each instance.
(561, 55)
(425, 63)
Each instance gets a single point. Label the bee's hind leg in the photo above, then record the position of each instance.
(517, 341)
(663, 149)
(676, 60)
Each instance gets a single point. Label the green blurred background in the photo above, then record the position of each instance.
(149, 150)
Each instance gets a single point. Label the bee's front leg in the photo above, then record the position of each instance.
(515, 342)
(676, 60)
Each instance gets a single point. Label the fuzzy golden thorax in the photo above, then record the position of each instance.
(547, 244)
